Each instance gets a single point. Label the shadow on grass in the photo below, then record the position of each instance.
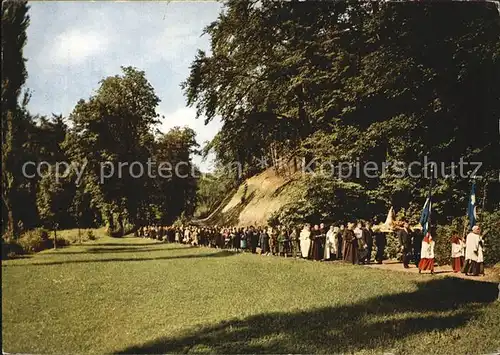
(131, 249)
(151, 242)
(377, 323)
(223, 253)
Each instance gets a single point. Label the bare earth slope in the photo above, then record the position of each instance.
(253, 202)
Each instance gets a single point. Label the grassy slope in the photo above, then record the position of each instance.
(135, 296)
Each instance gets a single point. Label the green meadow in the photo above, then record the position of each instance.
(130, 295)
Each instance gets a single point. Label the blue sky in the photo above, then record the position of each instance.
(73, 45)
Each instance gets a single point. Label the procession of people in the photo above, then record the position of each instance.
(359, 243)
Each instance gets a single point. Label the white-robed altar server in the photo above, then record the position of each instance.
(305, 240)
(331, 242)
(427, 255)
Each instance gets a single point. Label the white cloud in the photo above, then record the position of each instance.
(73, 47)
(185, 116)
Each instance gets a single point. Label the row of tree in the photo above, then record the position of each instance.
(357, 82)
(114, 128)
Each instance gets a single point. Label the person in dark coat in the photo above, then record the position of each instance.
(368, 239)
(380, 242)
(350, 251)
(404, 236)
(264, 242)
(295, 243)
(417, 246)
(254, 236)
(316, 252)
(340, 242)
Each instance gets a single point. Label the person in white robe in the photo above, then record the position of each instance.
(427, 255)
(473, 252)
(331, 242)
(480, 255)
(187, 234)
(305, 241)
(457, 253)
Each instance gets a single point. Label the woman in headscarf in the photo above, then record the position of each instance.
(305, 241)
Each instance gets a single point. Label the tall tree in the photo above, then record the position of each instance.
(15, 21)
(112, 131)
(175, 190)
(358, 81)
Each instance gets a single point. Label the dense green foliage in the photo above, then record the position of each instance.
(15, 20)
(330, 82)
(491, 227)
(393, 82)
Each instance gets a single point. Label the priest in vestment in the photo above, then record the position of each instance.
(474, 253)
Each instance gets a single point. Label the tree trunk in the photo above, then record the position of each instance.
(120, 225)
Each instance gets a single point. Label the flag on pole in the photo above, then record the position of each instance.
(471, 208)
(426, 216)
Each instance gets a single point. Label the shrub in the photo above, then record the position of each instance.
(182, 220)
(35, 240)
(90, 235)
(490, 223)
(392, 249)
(61, 242)
(442, 248)
(10, 248)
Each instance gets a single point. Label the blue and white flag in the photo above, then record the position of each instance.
(426, 216)
(471, 208)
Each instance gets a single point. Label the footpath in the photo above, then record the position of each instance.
(492, 274)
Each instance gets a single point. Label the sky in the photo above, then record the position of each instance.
(73, 45)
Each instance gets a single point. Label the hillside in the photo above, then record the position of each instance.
(254, 201)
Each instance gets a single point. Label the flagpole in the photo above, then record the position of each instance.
(467, 218)
(430, 200)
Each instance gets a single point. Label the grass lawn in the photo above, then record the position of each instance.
(132, 295)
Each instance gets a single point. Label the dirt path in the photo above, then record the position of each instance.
(491, 274)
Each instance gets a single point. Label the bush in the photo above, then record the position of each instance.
(61, 242)
(392, 249)
(182, 220)
(10, 248)
(90, 235)
(442, 248)
(35, 240)
(490, 223)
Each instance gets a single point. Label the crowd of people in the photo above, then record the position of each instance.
(356, 244)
